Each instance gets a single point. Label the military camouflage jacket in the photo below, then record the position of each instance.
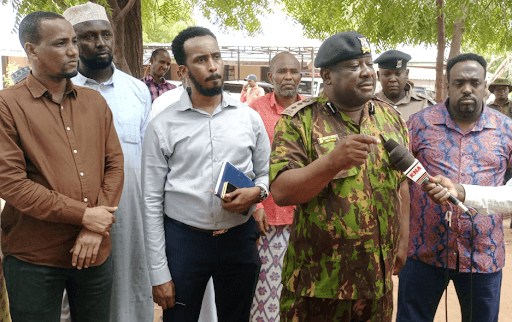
(343, 242)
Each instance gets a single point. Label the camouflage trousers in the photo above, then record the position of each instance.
(296, 308)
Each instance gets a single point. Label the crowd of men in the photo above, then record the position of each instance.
(107, 181)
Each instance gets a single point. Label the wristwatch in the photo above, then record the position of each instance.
(263, 194)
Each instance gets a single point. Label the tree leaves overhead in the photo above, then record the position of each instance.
(162, 20)
(388, 23)
(159, 16)
(234, 14)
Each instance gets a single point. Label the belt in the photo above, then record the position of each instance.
(206, 231)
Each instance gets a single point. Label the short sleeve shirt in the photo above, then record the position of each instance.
(343, 241)
(479, 156)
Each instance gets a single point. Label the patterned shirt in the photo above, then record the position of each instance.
(157, 89)
(343, 241)
(253, 93)
(270, 112)
(479, 157)
(505, 108)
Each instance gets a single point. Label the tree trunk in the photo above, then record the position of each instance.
(119, 12)
(441, 45)
(133, 49)
(458, 30)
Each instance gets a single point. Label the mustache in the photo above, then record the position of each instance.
(468, 96)
(213, 77)
(366, 81)
(108, 52)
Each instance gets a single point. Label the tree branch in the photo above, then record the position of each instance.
(115, 7)
(121, 14)
(441, 45)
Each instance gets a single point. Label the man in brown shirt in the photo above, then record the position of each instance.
(61, 175)
(501, 88)
(396, 89)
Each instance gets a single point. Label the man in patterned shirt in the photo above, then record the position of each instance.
(160, 64)
(347, 238)
(470, 143)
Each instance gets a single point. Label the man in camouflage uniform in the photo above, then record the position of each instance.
(327, 159)
(393, 75)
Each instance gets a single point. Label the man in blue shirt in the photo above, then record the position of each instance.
(191, 233)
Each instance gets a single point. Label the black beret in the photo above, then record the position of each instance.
(393, 59)
(340, 47)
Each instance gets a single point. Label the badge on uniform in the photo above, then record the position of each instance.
(327, 139)
(399, 63)
(365, 45)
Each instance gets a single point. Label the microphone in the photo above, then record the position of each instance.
(405, 162)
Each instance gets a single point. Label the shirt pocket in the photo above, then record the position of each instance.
(326, 144)
(130, 121)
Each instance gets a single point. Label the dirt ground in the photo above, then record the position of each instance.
(453, 302)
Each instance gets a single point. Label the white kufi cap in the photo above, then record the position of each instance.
(85, 12)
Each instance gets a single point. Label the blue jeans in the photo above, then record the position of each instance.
(35, 291)
(421, 287)
(232, 260)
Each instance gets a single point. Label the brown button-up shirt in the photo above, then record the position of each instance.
(410, 104)
(505, 108)
(55, 160)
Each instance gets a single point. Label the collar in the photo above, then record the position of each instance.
(494, 103)
(152, 79)
(186, 104)
(37, 89)
(274, 104)
(82, 80)
(486, 120)
(405, 100)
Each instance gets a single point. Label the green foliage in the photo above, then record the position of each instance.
(24, 7)
(235, 14)
(388, 23)
(159, 17)
(162, 20)
(10, 69)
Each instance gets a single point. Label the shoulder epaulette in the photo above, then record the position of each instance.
(387, 104)
(428, 98)
(297, 106)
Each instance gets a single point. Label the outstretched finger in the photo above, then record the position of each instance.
(368, 139)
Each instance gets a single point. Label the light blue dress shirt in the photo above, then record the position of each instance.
(181, 160)
(130, 102)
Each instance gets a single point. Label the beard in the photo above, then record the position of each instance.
(209, 92)
(69, 74)
(64, 74)
(288, 92)
(467, 107)
(94, 64)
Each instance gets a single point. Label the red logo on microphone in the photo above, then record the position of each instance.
(415, 171)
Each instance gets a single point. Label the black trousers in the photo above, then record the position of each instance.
(230, 258)
(35, 291)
